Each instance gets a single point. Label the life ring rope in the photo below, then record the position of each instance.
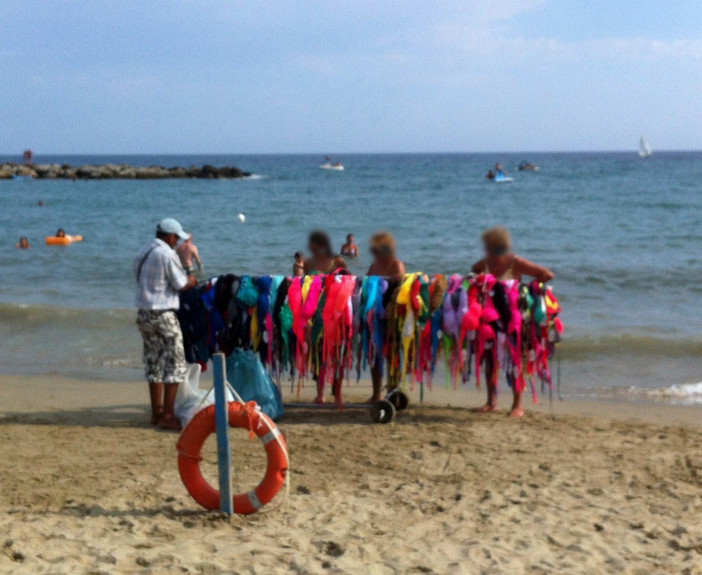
(273, 434)
(245, 415)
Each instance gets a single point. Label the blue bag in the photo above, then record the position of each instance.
(251, 381)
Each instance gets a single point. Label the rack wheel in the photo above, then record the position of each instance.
(382, 411)
(398, 398)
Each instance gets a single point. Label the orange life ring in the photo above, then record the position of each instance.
(259, 424)
(62, 241)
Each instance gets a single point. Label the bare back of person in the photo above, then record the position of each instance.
(512, 267)
(324, 264)
(504, 265)
(189, 255)
(185, 254)
(387, 269)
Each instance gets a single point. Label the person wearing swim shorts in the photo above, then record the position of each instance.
(505, 265)
(189, 255)
(160, 277)
(385, 264)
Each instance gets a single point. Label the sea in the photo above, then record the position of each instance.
(623, 236)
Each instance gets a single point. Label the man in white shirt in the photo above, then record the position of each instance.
(160, 277)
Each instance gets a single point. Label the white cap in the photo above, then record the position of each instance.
(171, 226)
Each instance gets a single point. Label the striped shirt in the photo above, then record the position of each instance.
(159, 276)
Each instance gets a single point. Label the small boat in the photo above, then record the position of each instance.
(645, 150)
(498, 176)
(528, 167)
(334, 166)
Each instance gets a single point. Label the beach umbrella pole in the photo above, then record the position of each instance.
(224, 454)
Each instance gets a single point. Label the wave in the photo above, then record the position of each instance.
(255, 177)
(15, 317)
(23, 316)
(679, 394)
(123, 362)
(630, 344)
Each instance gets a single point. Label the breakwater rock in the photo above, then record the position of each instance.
(116, 172)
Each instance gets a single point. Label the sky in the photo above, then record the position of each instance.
(251, 76)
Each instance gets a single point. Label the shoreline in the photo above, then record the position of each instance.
(102, 343)
(57, 398)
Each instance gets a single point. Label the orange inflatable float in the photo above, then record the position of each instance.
(62, 241)
(245, 416)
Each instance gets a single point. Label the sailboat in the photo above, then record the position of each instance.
(645, 150)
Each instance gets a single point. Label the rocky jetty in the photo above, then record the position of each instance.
(116, 172)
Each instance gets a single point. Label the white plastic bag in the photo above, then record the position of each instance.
(191, 399)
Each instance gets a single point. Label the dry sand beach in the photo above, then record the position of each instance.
(88, 488)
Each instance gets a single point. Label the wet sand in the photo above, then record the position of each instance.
(88, 487)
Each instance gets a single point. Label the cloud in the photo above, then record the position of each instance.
(483, 12)
(473, 37)
(470, 41)
(679, 49)
(490, 30)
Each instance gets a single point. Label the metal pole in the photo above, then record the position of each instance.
(224, 455)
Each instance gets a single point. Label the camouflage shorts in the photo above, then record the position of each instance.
(164, 358)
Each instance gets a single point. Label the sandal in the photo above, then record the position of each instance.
(156, 416)
(170, 422)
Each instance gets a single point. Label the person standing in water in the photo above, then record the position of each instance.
(349, 249)
(160, 277)
(299, 265)
(322, 258)
(189, 255)
(385, 260)
(504, 265)
(388, 265)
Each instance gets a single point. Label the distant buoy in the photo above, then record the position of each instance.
(241, 218)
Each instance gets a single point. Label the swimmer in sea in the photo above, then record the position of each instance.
(23, 244)
(189, 254)
(322, 258)
(298, 265)
(61, 233)
(385, 264)
(505, 265)
(349, 249)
